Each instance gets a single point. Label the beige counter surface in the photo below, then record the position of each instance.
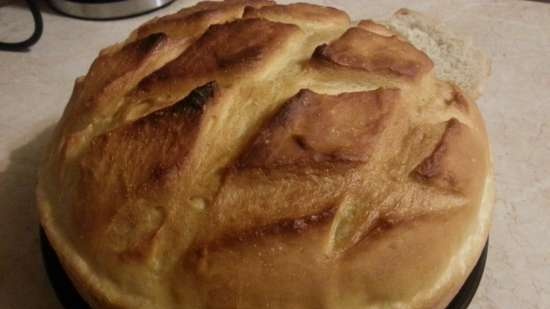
(35, 86)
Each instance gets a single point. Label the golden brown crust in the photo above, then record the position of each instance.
(127, 207)
(360, 49)
(193, 21)
(373, 27)
(224, 53)
(114, 73)
(313, 128)
(454, 163)
(218, 159)
(303, 14)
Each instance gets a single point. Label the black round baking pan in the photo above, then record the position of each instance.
(70, 299)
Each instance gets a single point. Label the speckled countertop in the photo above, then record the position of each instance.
(35, 86)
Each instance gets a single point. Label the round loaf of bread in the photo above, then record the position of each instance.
(247, 155)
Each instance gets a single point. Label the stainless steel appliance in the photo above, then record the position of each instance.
(107, 9)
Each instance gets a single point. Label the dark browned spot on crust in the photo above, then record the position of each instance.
(109, 67)
(284, 226)
(368, 51)
(151, 42)
(193, 103)
(131, 164)
(312, 128)
(199, 97)
(223, 50)
(157, 173)
(457, 163)
(385, 224)
(252, 53)
(140, 48)
(194, 20)
(249, 11)
(300, 141)
(431, 167)
(320, 51)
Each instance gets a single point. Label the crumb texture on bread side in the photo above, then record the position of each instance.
(456, 58)
(246, 154)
